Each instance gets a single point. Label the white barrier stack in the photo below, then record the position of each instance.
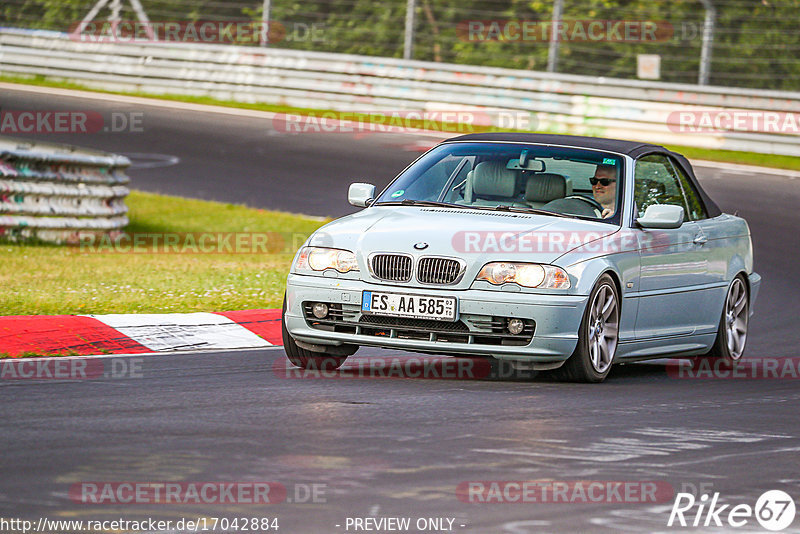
(57, 193)
(627, 109)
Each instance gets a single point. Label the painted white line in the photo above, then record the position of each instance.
(744, 169)
(178, 105)
(208, 108)
(135, 354)
(142, 101)
(176, 331)
(710, 459)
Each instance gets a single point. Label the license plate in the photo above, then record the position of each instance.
(412, 306)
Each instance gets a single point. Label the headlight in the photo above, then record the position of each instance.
(525, 274)
(319, 259)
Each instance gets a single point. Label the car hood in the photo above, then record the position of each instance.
(476, 236)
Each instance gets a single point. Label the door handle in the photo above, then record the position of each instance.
(700, 239)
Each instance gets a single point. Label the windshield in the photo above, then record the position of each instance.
(518, 177)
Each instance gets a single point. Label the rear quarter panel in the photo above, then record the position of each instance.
(729, 252)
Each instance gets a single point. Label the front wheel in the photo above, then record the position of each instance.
(306, 359)
(732, 331)
(597, 337)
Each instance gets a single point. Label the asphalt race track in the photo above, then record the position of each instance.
(395, 447)
(233, 159)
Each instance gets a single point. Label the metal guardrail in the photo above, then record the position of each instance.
(627, 109)
(57, 192)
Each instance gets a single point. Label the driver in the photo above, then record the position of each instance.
(604, 188)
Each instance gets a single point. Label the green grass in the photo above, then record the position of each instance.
(31, 354)
(728, 156)
(42, 81)
(746, 158)
(51, 279)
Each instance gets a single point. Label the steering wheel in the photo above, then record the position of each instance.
(571, 206)
(591, 201)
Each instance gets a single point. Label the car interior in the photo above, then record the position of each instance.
(493, 183)
(555, 182)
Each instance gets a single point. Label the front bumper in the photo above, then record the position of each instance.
(557, 319)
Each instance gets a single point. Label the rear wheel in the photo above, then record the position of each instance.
(597, 337)
(306, 359)
(732, 331)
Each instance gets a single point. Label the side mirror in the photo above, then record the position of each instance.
(360, 195)
(661, 216)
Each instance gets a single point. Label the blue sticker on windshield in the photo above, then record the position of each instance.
(609, 161)
(398, 193)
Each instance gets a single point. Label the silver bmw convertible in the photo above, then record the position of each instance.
(556, 253)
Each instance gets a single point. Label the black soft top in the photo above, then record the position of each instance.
(612, 145)
(633, 149)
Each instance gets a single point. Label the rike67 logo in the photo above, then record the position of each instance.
(774, 510)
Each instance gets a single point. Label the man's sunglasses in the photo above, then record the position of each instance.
(603, 181)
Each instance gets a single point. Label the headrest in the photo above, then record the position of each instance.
(546, 186)
(494, 179)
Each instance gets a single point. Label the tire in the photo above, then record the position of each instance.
(732, 331)
(597, 337)
(306, 359)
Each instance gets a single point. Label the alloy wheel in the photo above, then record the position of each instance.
(603, 329)
(736, 319)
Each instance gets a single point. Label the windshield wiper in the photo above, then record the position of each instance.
(520, 209)
(501, 207)
(410, 202)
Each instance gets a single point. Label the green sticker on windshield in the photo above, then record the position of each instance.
(609, 161)
(398, 193)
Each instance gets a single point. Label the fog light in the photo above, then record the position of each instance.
(320, 310)
(515, 326)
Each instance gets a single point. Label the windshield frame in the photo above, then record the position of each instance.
(616, 219)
